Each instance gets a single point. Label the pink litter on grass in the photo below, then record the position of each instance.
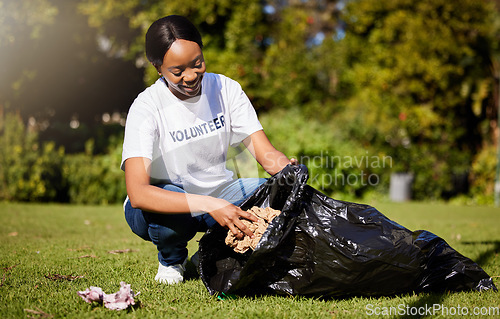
(92, 294)
(120, 300)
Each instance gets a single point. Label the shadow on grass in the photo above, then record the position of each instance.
(486, 256)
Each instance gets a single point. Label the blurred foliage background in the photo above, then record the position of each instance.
(355, 89)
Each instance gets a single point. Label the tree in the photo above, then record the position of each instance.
(225, 25)
(264, 46)
(29, 170)
(422, 83)
(57, 71)
(21, 22)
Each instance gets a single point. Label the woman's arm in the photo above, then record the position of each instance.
(150, 198)
(266, 154)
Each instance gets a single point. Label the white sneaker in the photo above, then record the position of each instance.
(170, 274)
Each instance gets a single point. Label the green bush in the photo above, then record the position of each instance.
(338, 166)
(95, 179)
(483, 175)
(33, 172)
(28, 171)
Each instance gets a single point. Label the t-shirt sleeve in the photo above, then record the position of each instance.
(244, 120)
(140, 133)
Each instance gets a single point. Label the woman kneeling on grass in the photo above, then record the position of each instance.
(177, 136)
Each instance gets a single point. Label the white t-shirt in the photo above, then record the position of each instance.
(187, 141)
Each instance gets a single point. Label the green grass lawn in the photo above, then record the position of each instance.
(39, 242)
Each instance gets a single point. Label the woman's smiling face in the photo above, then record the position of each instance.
(183, 69)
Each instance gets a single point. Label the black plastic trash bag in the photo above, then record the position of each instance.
(319, 246)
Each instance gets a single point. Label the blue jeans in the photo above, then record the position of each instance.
(171, 232)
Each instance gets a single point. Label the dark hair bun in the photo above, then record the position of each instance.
(163, 32)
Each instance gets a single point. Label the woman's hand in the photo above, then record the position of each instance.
(229, 216)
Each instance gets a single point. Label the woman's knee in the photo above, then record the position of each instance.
(173, 228)
(136, 221)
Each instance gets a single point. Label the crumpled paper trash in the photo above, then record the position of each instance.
(265, 216)
(120, 300)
